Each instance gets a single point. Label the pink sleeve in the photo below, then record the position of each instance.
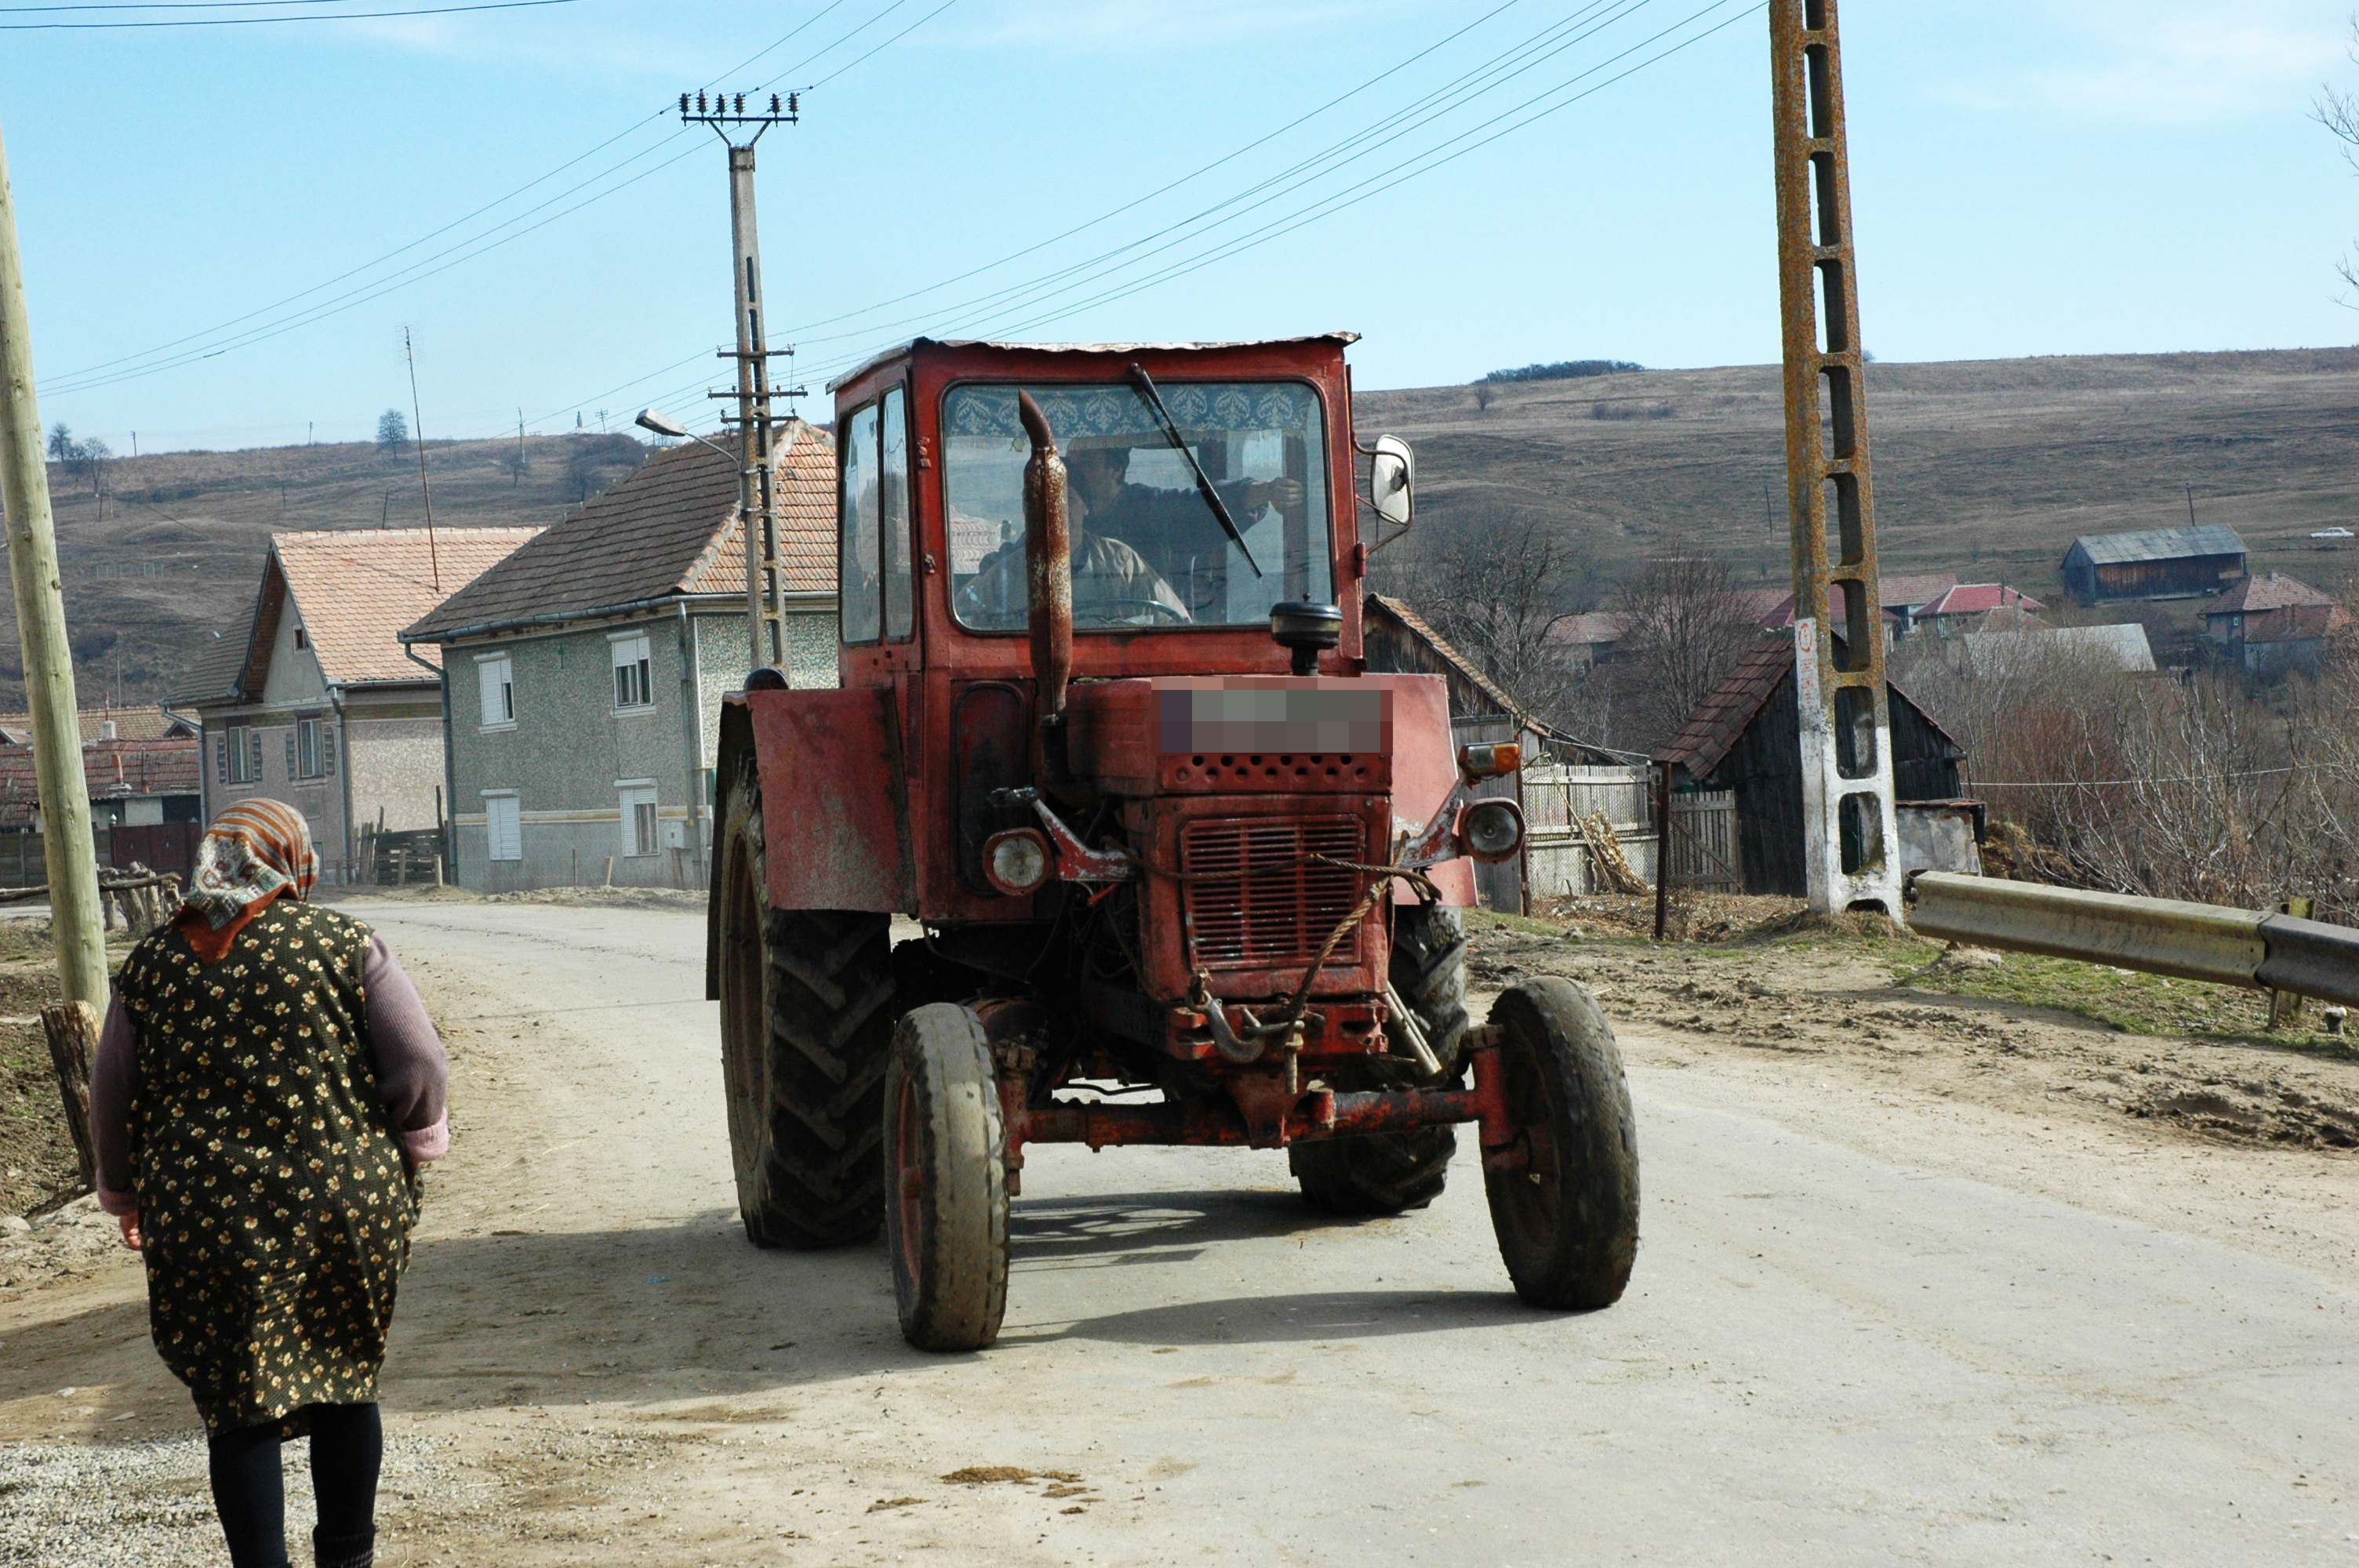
(114, 1083)
(412, 1072)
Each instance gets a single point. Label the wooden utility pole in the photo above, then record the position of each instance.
(73, 854)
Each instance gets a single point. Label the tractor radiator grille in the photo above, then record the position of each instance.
(1263, 908)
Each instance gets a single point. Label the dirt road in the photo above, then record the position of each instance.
(1875, 1320)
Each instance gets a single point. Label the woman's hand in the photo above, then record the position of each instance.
(130, 1222)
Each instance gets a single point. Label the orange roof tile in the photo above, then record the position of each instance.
(355, 588)
(669, 527)
(2268, 590)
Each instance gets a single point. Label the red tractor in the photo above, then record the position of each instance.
(1187, 871)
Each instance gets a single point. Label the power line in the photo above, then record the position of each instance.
(146, 363)
(264, 21)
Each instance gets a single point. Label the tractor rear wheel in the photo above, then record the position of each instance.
(946, 1159)
(806, 1023)
(1564, 1201)
(1387, 1173)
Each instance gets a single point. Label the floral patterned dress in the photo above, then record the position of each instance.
(274, 1195)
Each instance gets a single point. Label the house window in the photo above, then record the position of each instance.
(634, 683)
(640, 835)
(238, 755)
(315, 749)
(302, 638)
(496, 676)
(502, 827)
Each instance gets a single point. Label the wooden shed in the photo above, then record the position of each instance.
(2158, 563)
(1746, 739)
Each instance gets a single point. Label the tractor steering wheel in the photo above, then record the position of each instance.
(1098, 606)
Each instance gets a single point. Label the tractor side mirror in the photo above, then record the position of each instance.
(1392, 481)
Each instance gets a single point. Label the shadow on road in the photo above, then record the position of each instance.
(690, 1310)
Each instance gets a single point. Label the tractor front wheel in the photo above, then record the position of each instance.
(946, 1161)
(1564, 1195)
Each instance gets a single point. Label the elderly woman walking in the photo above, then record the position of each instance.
(267, 1083)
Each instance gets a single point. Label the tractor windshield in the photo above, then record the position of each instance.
(1148, 548)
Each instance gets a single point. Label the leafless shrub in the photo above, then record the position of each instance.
(1485, 393)
(1685, 629)
(2194, 789)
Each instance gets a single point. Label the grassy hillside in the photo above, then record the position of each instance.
(173, 552)
(1988, 468)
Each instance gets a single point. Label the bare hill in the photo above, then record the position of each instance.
(1987, 469)
(173, 552)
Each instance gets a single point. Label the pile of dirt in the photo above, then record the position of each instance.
(37, 1167)
(2024, 1033)
(1689, 916)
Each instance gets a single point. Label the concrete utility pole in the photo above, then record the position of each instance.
(1850, 831)
(73, 856)
(765, 610)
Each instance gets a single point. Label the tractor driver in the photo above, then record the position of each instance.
(1127, 540)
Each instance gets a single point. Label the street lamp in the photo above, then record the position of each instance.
(665, 424)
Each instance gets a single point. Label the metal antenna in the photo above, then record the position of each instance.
(756, 483)
(1851, 829)
(417, 433)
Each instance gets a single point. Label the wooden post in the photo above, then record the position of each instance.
(73, 1029)
(610, 870)
(42, 629)
(1662, 848)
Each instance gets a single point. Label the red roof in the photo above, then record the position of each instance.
(1981, 598)
(2269, 591)
(115, 769)
(1900, 592)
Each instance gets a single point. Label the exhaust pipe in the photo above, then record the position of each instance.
(1049, 563)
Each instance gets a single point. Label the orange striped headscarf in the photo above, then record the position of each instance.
(253, 851)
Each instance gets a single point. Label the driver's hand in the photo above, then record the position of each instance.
(1286, 495)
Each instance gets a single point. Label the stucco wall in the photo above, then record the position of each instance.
(396, 767)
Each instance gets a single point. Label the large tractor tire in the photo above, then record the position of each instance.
(806, 1024)
(1388, 1173)
(1565, 1201)
(946, 1159)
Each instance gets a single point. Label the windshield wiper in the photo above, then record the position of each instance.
(1144, 385)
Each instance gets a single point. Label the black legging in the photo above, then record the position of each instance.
(250, 1491)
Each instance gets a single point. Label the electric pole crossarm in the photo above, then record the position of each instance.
(1850, 826)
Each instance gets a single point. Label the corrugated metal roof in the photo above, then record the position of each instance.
(2125, 644)
(2160, 545)
(897, 350)
(669, 527)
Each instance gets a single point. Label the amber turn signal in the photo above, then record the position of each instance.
(1489, 762)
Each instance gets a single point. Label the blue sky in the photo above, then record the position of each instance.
(2101, 176)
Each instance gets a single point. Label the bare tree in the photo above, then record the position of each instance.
(1686, 626)
(2339, 113)
(1495, 584)
(1484, 392)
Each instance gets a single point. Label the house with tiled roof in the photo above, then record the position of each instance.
(1903, 598)
(1977, 607)
(586, 670)
(1745, 737)
(309, 696)
(143, 802)
(2271, 622)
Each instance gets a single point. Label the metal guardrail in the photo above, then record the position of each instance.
(2158, 935)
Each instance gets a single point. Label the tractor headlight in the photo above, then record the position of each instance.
(1492, 830)
(1018, 861)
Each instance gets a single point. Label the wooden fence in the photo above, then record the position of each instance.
(1557, 860)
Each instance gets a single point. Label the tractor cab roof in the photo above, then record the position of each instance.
(900, 350)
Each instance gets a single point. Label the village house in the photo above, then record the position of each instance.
(1903, 598)
(2155, 563)
(310, 699)
(1745, 739)
(586, 670)
(1972, 607)
(141, 767)
(2271, 624)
